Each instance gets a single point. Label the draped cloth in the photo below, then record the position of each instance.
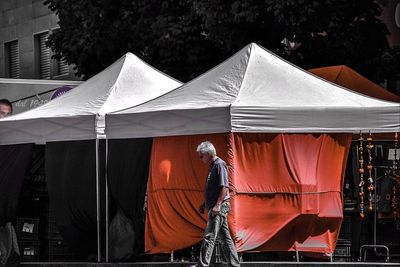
(14, 160)
(71, 182)
(128, 170)
(175, 191)
(289, 190)
(13, 164)
(286, 191)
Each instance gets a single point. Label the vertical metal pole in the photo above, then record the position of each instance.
(98, 201)
(297, 256)
(376, 206)
(107, 194)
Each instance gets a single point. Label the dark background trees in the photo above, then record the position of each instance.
(185, 38)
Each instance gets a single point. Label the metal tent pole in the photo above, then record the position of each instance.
(375, 206)
(98, 202)
(107, 195)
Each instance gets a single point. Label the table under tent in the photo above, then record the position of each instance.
(285, 135)
(55, 154)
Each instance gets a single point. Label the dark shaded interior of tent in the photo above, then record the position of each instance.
(56, 214)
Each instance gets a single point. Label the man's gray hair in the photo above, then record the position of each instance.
(207, 147)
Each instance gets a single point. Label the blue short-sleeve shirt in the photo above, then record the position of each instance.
(216, 179)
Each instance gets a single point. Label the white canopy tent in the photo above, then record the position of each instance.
(255, 91)
(79, 113)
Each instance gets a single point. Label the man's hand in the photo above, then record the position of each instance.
(216, 209)
(201, 208)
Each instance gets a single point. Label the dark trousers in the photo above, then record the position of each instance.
(217, 226)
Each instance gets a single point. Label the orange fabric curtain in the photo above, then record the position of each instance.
(175, 191)
(289, 190)
(286, 191)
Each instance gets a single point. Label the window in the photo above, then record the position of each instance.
(12, 59)
(62, 67)
(48, 67)
(44, 57)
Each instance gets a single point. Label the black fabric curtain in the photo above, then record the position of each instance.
(128, 170)
(71, 181)
(14, 160)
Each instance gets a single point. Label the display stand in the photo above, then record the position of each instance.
(375, 246)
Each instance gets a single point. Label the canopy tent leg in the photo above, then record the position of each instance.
(107, 207)
(98, 201)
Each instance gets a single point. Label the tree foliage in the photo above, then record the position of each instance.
(185, 38)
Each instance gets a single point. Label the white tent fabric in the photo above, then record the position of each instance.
(255, 91)
(79, 113)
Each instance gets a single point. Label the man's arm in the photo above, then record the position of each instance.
(217, 208)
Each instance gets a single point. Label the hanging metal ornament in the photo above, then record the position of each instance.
(395, 187)
(371, 187)
(396, 145)
(361, 171)
(394, 204)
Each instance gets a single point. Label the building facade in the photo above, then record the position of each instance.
(24, 28)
